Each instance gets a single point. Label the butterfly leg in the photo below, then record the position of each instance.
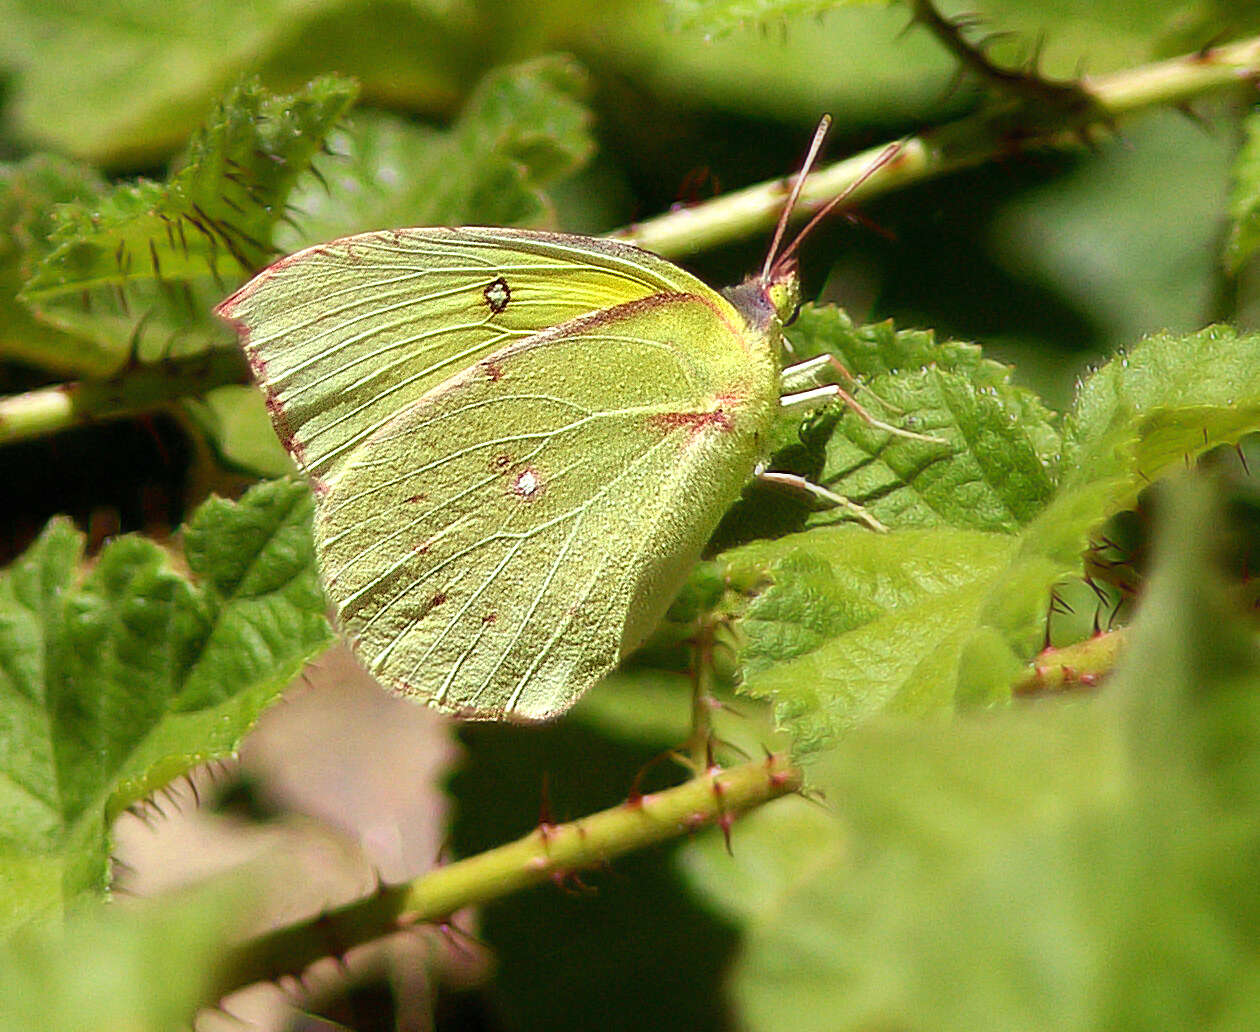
(799, 483)
(796, 376)
(808, 373)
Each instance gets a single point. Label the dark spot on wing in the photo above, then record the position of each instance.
(417, 498)
(693, 421)
(493, 370)
(490, 617)
(434, 601)
(497, 295)
(500, 462)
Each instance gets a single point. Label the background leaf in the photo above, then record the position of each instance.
(1081, 234)
(1244, 206)
(523, 128)
(721, 15)
(120, 676)
(125, 83)
(30, 191)
(138, 269)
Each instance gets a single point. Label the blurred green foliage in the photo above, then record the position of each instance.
(1078, 865)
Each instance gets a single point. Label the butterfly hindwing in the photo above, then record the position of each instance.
(344, 335)
(495, 545)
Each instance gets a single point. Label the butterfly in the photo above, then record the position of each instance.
(518, 443)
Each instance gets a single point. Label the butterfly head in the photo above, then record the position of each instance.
(782, 289)
(776, 290)
(769, 300)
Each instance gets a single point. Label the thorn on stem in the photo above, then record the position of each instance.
(546, 820)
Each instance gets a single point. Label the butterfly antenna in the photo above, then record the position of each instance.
(885, 156)
(819, 134)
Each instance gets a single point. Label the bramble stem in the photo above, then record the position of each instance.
(141, 388)
(38, 412)
(963, 144)
(1073, 667)
(544, 854)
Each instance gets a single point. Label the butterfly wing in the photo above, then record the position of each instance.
(344, 336)
(496, 545)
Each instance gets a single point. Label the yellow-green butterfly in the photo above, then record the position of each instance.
(519, 442)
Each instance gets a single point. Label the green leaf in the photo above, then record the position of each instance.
(837, 627)
(523, 128)
(137, 270)
(997, 472)
(1170, 396)
(234, 421)
(838, 624)
(117, 676)
(1244, 202)
(124, 84)
(29, 194)
(1141, 416)
(143, 968)
(1191, 676)
(1074, 865)
(993, 469)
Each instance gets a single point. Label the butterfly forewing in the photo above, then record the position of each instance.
(494, 546)
(344, 336)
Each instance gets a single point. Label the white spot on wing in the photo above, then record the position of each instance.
(527, 485)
